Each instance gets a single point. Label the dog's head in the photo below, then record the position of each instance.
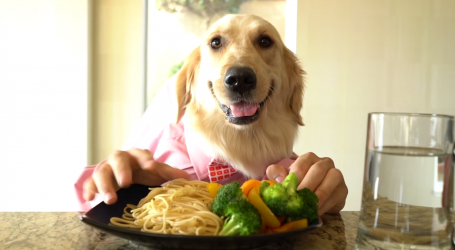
(243, 71)
(242, 78)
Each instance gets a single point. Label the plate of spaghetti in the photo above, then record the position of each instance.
(176, 215)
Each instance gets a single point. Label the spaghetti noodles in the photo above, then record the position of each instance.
(178, 207)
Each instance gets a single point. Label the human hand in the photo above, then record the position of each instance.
(320, 176)
(124, 168)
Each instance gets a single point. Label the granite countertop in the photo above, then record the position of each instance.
(64, 230)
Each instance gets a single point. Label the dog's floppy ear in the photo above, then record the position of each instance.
(185, 79)
(295, 75)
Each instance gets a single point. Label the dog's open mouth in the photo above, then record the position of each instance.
(242, 113)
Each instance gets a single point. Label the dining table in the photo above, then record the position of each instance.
(65, 231)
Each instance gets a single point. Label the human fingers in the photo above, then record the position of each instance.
(302, 165)
(316, 174)
(156, 173)
(141, 155)
(276, 172)
(332, 181)
(89, 189)
(106, 185)
(169, 173)
(122, 164)
(334, 205)
(336, 201)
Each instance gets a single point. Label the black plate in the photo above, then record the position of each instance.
(100, 215)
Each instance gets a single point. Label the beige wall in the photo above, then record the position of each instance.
(365, 56)
(117, 98)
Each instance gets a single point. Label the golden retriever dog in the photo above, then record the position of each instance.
(241, 91)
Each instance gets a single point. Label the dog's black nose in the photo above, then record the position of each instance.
(240, 79)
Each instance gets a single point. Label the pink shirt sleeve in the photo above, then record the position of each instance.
(87, 172)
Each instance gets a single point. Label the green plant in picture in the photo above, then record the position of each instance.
(202, 8)
(175, 68)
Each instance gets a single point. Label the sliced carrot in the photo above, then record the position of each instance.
(263, 227)
(268, 230)
(293, 225)
(249, 184)
(268, 217)
(213, 189)
(281, 219)
(270, 182)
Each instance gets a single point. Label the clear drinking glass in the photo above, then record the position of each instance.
(407, 199)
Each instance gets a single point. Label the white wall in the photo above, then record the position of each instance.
(365, 56)
(43, 103)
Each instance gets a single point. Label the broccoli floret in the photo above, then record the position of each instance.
(242, 218)
(284, 199)
(227, 193)
(310, 210)
(264, 185)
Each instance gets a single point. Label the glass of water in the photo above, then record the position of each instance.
(407, 199)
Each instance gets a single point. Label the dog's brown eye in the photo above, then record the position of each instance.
(265, 42)
(216, 43)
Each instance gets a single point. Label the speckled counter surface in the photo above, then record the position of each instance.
(62, 231)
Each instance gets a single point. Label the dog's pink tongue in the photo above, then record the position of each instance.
(244, 109)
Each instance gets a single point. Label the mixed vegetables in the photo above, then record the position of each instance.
(263, 206)
(241, 217)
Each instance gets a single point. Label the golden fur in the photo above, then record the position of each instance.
(249, 148)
